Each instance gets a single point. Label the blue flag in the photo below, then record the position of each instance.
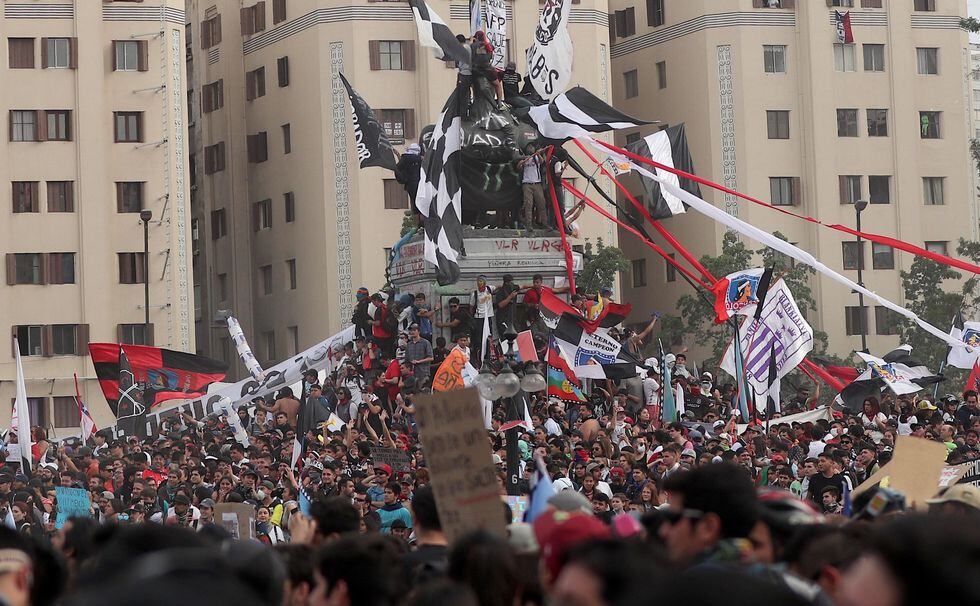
(542, 491)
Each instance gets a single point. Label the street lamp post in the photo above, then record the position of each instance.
(145, 216)
(859, 207)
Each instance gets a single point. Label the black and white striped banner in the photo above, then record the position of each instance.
(434, 33)
(579, 113)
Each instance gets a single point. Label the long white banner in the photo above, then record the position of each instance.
(496, 18)
(549, 59)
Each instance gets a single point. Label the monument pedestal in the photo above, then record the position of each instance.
(489, 252)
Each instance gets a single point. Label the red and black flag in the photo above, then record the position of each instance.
(166, 374)
(130, 406)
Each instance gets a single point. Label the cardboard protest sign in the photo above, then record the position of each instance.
(915, 470)
(399, 460)
(971, 473)
(237, 518)
(463, 476)
(72, 503)
(952, 474)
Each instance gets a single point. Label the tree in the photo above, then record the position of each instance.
(409, 222)
(600, 266)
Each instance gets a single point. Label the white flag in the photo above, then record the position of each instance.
(549, 59)
(968, 333)
(496, 18)
(244, 351)
(21, 420)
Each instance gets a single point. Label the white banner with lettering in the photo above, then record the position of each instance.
(549, 59)
(495, 16)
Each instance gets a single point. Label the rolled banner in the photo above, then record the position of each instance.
(244, 351)
(225, 407)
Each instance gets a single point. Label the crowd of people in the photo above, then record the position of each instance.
(700, 509)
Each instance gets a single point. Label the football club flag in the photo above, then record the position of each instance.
(130, 404)
(435, 34)
(844, 33)
(969, 333)
(549, 58)
(20, 421)
(370, 141)
(737, 294)
(668, 147)
(579, 113)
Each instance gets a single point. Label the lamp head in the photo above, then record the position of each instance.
(145, 215)
(860, 205)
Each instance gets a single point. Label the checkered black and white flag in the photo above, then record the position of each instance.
(439, 196)
(434, 33)
(579, 113)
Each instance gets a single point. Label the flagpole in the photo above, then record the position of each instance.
(935, 388)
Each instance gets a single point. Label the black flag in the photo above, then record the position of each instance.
(435, 34)
(772, 393)
(373, 147)
(668, 147)
(130, 409)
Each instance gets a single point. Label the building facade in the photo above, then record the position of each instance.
(776, 107)
(288, 226)
(94, 134)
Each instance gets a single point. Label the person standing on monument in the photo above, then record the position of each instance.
(481, 302)
(533, 189)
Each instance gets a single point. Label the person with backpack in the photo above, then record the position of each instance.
(384, 325)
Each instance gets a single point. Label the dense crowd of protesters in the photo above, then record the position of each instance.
(645, 511)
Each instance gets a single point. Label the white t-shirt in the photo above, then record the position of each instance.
(483, 303)
(552, 427)
(651, 391)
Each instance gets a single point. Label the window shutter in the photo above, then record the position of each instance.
(842, 186)
(10, 125)
(408, 55)
(141, 276)
(282, 69)
(49, 261)
(259, 10)
(220, 160)
(70, 196)
(206, 93)
(219, 98)
(205, 34)
(255, 216)
(278, 10)
(44, 53)
(81, 339)
(797, 191)
(409, 125)
(139, 127)
(11, 261)
(119, 333)
(792, 3)
(756, 3)
(144, 59)
(47, 340)
(374, 50)
(41, 127)
(250, 147)
(263, 147)
(46, 277)
(247, 22)
(115, 61)
(150, 340)
(216, 30)
(630, 21)
(73, 53)
(35, 198)
(249, 86)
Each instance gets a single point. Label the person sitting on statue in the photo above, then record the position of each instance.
(511, 83)
(482, 53)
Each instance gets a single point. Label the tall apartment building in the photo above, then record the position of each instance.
(777, 108)
(288, 225)
(94, 132)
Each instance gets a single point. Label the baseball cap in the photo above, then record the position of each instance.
(182, 499)
(207, 503)
(967, 494)
(695, 435)
(383, 467)
(570, 501)
(689, 452)
(21, 478)
(926, 405)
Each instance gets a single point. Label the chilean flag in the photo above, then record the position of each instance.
(844, 33)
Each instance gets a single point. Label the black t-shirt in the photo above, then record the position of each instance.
(465, 321)
(818, 483)
(427, 563)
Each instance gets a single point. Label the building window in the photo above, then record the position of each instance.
(940, 247)
(282, 71)
(632, 138)
(60, 268)
(662, 74)
(63, 340)
(778, 123)
(131, 266)
(61, 196)
(257, 147)
(222, 287)
(135, 334)
(20, 53)
(887, 322)
(262, 215)
(57, 53)
(214, 158)
(390, 54)
(292, 333)
(129, 55)
(58, 125)
(291, 273)
(65, 412)
(129, 196)
(29, 340)
(877, 122)
(782, 191)
(25, 268)
(879, 189)
(669, 270)
(850, 188)
(847, 123)
(930, 125)
(933, 190)
(128, 127)
(626, 22)
(213, 96)
(924, 5)
(398, 124)
(844, 57)
(211, 31)
(632, 84)
(253, 18)
(882, 256)
(287, 142)
(655, 13)
(219, 226)
(25, 197)
(395, 196)
(853, 255)
(278, 11)
(856, 320)
(874, 57)
(289, 201)
(844, 3)
(927, 61)
(774, 58)
(638, 271)
(269, 340)
(23, 125)
(265, 279)
(255, 84)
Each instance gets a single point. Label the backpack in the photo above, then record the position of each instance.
(389, 319)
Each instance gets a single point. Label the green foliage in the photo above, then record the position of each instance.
(408, 223)
(600, 266)
(697, 311)
(936, 303)
(970, 24)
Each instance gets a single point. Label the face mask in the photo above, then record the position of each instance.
(260, 495)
